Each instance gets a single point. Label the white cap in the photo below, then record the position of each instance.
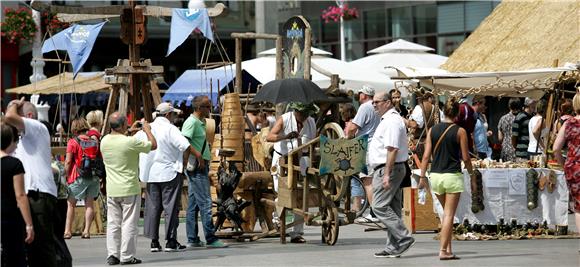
(367, 90)
(165, 108)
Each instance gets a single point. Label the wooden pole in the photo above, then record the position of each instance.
(279, 59)
(307, 52)
(550, 117)
(238, 85)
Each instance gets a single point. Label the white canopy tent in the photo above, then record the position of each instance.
(529, 83)
(263, 68)
(399, 53)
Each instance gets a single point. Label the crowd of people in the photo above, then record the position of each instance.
(437, 137)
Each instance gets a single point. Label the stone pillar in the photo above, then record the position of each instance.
(37, 65)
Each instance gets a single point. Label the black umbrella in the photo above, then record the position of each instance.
(290, 90)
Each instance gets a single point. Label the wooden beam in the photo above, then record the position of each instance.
(253, 35)
(279, 59)
(110, 108)
(74, 14)
(307, 52)
(134, 70)
(156, 11)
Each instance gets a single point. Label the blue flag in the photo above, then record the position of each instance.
(184, 21)
(77, 40)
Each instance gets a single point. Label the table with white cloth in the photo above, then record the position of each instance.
(505, 197)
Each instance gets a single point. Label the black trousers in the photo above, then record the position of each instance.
(13, 242)
(42, 250)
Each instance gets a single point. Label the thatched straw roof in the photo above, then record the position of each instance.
(520, 35)
(64, 84)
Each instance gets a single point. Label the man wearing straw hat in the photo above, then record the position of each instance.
(291, 130)
(197, 173)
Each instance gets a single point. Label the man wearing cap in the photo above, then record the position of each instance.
(121, 158)
(365, 122)
(520, 131)
(291, 130)
(199, 198)
(389, 149)
(162, 170)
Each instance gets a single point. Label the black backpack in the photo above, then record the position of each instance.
(90, 166)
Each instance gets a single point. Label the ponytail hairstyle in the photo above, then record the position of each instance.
(451, 109)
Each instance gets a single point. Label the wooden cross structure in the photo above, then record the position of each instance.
(133, 80)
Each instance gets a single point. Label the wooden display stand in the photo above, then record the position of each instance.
(418, 217)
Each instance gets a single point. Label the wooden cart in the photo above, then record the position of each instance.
(299, 193)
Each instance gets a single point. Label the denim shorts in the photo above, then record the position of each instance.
(83, 188)
(442, 183)
(356, 188)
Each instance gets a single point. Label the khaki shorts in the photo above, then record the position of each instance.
(442, 183)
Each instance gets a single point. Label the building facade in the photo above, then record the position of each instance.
(442, 25)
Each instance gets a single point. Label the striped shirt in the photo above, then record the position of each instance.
(521, 132)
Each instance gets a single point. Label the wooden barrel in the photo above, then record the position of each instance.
(235, 142)
(232, 105)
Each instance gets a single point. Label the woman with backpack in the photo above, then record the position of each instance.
(81, 153)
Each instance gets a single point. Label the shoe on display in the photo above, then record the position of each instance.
(217, 244)
(155, 246)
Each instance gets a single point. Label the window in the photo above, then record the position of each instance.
(331, 32)
(447, 44)
(375, 24)
(425, 19)
(401, 21)
(475, 13)
(451, 18)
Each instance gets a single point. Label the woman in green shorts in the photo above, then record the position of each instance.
(447, 144)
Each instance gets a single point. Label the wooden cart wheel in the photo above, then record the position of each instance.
(329, 214)
(332, 184)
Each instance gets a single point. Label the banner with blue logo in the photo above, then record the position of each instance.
(184, 21)
(77, 40)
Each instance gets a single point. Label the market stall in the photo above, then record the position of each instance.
(506, 196)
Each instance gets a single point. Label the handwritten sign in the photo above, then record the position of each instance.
(343, 156)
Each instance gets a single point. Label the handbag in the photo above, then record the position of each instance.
(193, 164)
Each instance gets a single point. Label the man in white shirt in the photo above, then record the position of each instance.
(291, 130)
(34, 152)
(364, 122)
(162, 170)
(388, 153)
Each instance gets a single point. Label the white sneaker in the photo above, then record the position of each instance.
(367, 219)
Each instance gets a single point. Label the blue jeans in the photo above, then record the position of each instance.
(199, 201)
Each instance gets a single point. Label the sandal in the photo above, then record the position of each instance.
(452, 257)
(86, 236)
(298, 240)
(67, 236)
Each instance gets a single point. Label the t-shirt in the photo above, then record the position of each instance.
(366, 118)
(91, 149)
(10, 166)
(533, 145)
(194, 130)
(34, 152)
(521, 132)
(121, 158)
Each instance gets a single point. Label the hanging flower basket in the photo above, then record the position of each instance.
(51, 23)
(333, 13)
(18, 25)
